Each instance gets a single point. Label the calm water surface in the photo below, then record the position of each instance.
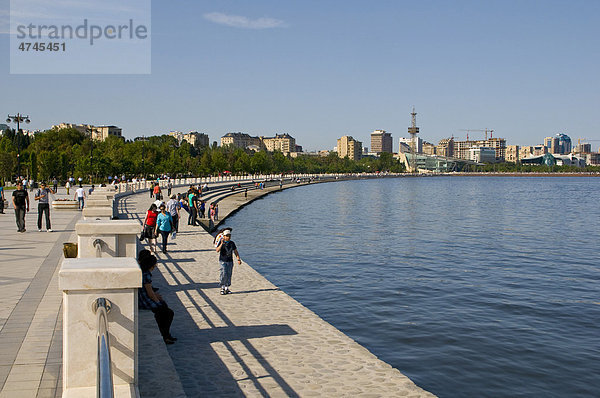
(471, 286)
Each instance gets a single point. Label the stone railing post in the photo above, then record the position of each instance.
(82, 282)
(107, 238)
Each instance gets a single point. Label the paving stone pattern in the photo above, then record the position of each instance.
(30, 303)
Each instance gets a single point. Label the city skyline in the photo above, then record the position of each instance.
(319, 71)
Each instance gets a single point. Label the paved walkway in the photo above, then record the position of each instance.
(255, 342)
(30, 302)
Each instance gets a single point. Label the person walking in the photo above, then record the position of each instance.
(68, 186)
(157, 192)
(216, 208)
(226, 249)
(1, 197)
(55, 185)
(80, 197)
(202, 208)
(20, 199)
(164, 226)
(193, 203)
(150, 227)
(80, 182)
(173, 209)
(211, 216)
(148, 299)
(169, 188)
(43, 196)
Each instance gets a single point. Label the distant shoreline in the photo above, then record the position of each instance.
(514, 174)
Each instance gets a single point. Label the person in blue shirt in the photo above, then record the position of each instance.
(164, 224)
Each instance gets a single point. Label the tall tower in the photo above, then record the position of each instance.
(413, 130)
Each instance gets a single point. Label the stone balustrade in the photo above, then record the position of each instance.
(108, 238)
(105, 268)
(83, 280)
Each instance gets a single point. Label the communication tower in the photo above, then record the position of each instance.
(413, 130)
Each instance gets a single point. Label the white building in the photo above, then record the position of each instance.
(482, 154)
(404, 145)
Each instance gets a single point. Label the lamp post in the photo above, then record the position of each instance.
(143, 139)
(18, 119)
(92, 162)
(90, 131)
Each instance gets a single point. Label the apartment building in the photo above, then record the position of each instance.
(98, 133)
(240, 140)
(281, 142)
(348, 146)
(512, 154)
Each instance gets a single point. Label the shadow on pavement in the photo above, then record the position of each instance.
(201, 368)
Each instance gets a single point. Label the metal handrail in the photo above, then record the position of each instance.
(104, 379)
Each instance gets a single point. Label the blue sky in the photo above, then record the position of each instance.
(322, 69)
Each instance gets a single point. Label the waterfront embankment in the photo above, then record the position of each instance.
(257, 341)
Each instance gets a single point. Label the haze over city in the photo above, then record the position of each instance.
(320, 70)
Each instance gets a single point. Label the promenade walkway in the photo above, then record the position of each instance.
(257, 341)
(30, 302)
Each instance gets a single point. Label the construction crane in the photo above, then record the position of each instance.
(486, 131)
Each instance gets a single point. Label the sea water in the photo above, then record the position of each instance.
(471, 286)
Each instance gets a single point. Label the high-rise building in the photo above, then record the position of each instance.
(348, 146)
(583, 148)
(381, 141)
(461, 148)
(560, 144)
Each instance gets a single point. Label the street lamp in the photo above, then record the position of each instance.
(143, 139)
(18, 119)
(91, 161)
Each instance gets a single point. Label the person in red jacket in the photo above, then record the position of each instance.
(150, 226)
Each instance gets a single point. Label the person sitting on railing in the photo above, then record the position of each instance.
(149, 299)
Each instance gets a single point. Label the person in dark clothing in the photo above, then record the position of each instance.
(202, 208)
(226, 248)
(20, 199)
(43, 198)
(148, 299)
(193, 203)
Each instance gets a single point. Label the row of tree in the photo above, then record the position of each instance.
(68, 153)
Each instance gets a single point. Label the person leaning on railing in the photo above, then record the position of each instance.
(148, 299)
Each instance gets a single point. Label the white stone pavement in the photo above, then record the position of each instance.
(30, 302)
(255, 342)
